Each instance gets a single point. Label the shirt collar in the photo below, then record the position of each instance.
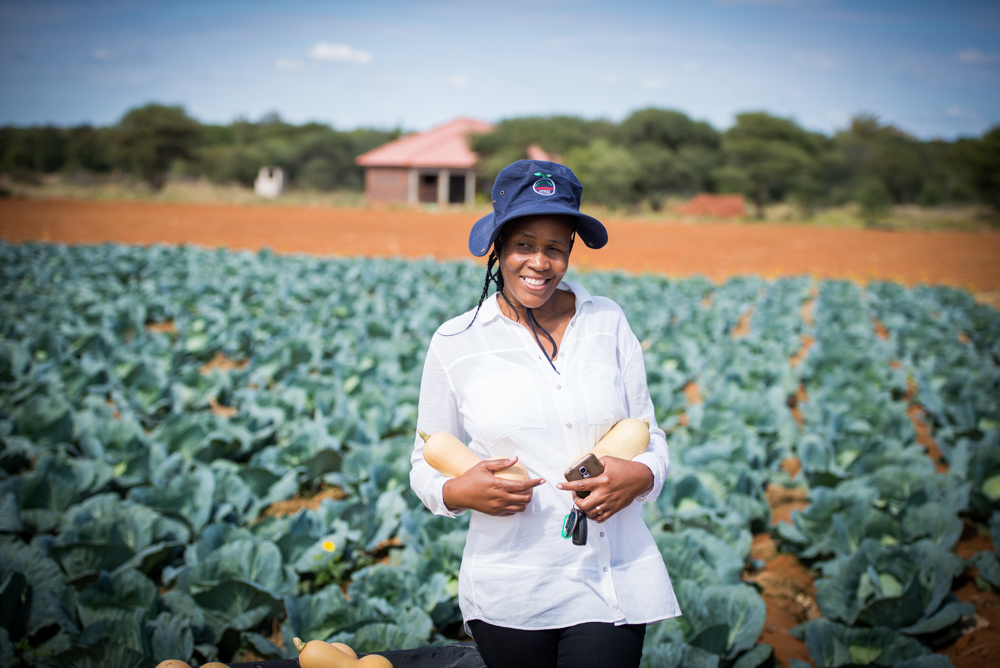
(491, 307)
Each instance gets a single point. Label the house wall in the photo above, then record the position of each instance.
(387, 184)
(416, 185)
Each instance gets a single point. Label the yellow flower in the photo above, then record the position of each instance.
(329, 546)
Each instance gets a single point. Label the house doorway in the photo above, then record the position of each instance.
(456, 189)
(427, 188)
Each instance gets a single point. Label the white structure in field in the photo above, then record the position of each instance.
(270, 182)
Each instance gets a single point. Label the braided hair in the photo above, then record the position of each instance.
(495, 276)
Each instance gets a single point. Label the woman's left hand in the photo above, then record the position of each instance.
(615, 489)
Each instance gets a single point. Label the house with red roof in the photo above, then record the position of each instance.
(433, 166)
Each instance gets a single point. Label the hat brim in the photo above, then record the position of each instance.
(485, 231)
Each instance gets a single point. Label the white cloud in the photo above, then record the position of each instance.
(821, 61)
(458, 81)
(975, 56)
(101, 54)
(339, 53)
(653, 83)
(287, 65)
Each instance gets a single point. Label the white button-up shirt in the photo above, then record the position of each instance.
(493, 388)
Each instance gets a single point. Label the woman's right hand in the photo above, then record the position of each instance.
(478, 489)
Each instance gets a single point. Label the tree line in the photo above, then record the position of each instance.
(156, 141)
(657, 153)
(651, 155)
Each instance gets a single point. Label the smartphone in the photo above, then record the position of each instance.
(588, 466)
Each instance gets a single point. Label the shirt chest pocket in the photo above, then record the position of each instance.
(604, 392)
(504, 404)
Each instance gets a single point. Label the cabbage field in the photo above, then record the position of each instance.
(205, 454)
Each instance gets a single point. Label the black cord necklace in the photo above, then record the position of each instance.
(532, 321)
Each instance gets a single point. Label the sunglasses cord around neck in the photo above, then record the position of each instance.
(555, 349)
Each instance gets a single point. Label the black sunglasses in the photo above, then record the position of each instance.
(575, 525)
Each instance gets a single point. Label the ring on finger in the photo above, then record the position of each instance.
(599, 511)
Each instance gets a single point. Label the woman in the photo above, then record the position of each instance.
(538, 374)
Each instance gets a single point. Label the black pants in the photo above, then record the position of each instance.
(594, 644)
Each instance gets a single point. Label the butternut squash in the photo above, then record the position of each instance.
(451, 457)
(320, 654)
(626, 440)
(345, 649)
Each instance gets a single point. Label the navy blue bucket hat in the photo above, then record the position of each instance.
(530, 188)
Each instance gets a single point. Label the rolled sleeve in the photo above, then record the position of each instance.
(640, 405)
(437, 411)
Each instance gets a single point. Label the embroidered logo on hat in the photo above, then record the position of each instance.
(544, 185)
(521, 191)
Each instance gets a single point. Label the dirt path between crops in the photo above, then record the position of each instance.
(716, 250)
(979, 637)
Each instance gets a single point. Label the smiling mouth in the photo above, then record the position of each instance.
(535, 283)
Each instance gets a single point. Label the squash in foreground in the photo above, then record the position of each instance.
(320, 654)
(450, 456)
(628, 439)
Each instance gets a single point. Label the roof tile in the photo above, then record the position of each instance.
(445, 146)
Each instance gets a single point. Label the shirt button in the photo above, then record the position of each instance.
(569, 426)
(605, 569)
(602, 534)
(558, 387)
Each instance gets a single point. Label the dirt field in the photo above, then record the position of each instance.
(966, 259)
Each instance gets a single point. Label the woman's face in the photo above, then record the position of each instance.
(534, 256)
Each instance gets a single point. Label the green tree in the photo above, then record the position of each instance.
(557, 135)
(88, 149)
(875, 202)
(608, 173)
(773, 157)
(36, 149)
(322, 160)
(675, 154)
(150, 138)
(903, 164)
(980, 160)
(231, 164)
(666, 127)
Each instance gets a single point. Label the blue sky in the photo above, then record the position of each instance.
(930, 67)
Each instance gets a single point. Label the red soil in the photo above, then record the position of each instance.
(982, 640)
(715, 250)
(720, 206)
(788, 591)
